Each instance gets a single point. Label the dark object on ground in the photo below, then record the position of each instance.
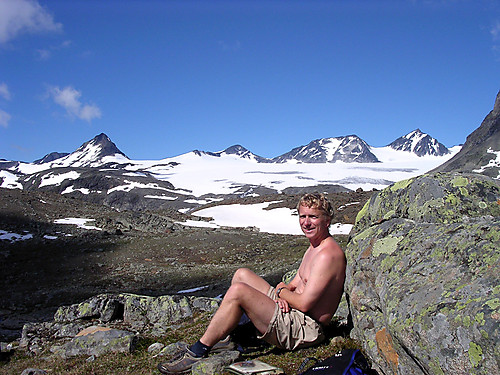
(346, 362)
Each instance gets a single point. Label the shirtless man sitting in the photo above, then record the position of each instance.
(289, 316)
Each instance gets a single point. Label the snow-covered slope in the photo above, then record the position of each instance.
(94, 153)
(420, 144)
(330, 150)
(99, 171)
(237, 151)
(205, 174)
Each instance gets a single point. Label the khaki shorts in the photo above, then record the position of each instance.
(292, 330)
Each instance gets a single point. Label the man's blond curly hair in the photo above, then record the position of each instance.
(316, 200)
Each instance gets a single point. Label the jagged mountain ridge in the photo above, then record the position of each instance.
(419, 143)
(329, 150)
(91, 154)
(99, 172)
(481, 151)
(51, 157)
(348, 149)
(236, 150)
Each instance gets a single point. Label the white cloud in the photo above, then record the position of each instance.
(89, 112)
(46, 53)
(69, 99)
(4, 119)
(4, 91)
(24, 16)
(229, 46)
(495, 31)
(43, 54)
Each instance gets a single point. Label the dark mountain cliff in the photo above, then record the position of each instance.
(480, 150)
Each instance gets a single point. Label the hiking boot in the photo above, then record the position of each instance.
(180, 364)
(223, 345)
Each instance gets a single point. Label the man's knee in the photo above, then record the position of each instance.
(236, 291)
(241, 275)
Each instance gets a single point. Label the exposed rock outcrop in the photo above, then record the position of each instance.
(112, 323)
(95, 341)
(423, 276)
(480, 151)
(89, 327)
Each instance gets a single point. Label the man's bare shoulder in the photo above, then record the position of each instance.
(330, 251)
(331, 246)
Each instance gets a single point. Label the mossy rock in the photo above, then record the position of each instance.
(423, 276)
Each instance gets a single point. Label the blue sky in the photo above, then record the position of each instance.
(162, 78)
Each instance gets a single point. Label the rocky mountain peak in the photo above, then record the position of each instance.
(91, 153)
(242, 152)
(419, 143)
(496, 107)
(349, 148)
(236, 149)
(102, 141)
(51, 157)
(480, 152)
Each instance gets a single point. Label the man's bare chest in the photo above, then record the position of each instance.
(305, 268)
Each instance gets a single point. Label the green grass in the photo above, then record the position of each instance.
(140, 362)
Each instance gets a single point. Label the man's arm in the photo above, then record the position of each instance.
(292, 285)
(327, 267)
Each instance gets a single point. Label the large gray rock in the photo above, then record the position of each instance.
(139, 312)
(423, 276)
(144, 314)
(97, 341)
(215, 364)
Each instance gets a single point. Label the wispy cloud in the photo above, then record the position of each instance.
(4, 119)
(5, 94)
(229, 46)
(4, 91)
(46, 53)
(69, 99)
(495, 35)
(495, 31)
(24, 16)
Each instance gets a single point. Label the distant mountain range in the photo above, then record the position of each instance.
(348, 149)
(99, 172)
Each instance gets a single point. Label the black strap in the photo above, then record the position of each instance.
(305, 363)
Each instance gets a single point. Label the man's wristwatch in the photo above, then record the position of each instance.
(279, 291)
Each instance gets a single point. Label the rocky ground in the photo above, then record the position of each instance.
(145, 253)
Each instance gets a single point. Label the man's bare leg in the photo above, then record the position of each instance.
(240, 297)
(247, 276)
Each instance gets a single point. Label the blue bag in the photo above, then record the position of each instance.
(346, 362)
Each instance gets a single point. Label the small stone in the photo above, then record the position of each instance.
(172, 349)
(33, 371)
(155, 348)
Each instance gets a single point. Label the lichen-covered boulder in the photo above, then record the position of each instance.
(97, 341)
(423, 276)
(105, 307)
(140, 312)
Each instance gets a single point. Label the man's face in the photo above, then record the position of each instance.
(313, 222)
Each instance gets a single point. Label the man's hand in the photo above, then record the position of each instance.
(283, 305)
(290, 286)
